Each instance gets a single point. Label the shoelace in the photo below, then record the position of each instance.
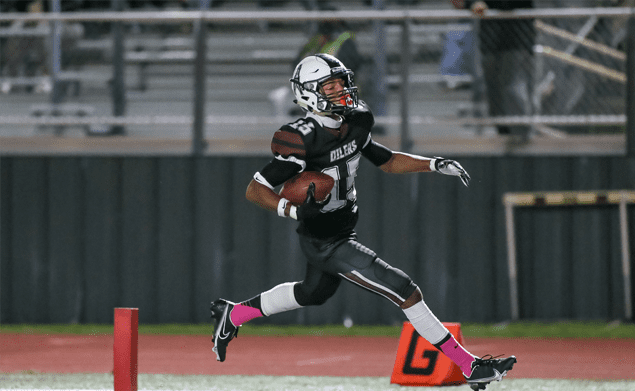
(488, 358)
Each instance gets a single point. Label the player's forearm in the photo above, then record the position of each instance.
(262, 196)
(401, 163)
(266, 198)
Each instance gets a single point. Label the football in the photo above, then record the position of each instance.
(295, 188)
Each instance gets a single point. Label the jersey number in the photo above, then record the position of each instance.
(302, 126)
(336, 201)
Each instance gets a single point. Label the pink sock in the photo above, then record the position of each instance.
(243, 313)
(458, 354)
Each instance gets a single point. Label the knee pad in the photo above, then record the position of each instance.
(306, 294)
(394, 278)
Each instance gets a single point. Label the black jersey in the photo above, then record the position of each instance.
(305, 145)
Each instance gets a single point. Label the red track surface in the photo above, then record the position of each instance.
(308, 356)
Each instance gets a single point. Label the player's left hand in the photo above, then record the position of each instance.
(311, 207)
(451, 167)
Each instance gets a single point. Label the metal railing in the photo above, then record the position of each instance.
(407, 19)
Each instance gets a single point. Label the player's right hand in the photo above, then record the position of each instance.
(311, 207)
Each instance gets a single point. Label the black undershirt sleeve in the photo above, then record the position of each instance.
(376, 153)
(276, 172)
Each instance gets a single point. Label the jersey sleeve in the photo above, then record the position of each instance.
(287, 144)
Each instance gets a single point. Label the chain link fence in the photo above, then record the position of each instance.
(580, 66)
(547, 67)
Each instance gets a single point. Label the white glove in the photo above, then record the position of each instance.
(450, 167)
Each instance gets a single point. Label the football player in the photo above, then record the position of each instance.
(332, 138)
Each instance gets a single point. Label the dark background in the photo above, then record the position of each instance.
(81, 235)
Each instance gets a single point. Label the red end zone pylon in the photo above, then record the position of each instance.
(125, 348)
(419, 363)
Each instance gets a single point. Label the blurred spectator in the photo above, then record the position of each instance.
(24, 55)
(334, 38)
(507, 59)
(457, 58)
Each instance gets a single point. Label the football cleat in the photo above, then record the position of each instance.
(224, 329)
(488, 369)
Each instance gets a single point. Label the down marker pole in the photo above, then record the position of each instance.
(126, 348)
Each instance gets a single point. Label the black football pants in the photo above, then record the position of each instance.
(330, 261)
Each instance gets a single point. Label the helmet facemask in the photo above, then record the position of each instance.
(342, 101)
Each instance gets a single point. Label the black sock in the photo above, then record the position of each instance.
(254, 302)
(444, 340)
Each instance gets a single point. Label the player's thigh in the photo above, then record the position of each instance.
(361, 266)
(317, 287)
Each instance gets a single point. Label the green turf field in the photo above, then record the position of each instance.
(516, 329)
(31, 381)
